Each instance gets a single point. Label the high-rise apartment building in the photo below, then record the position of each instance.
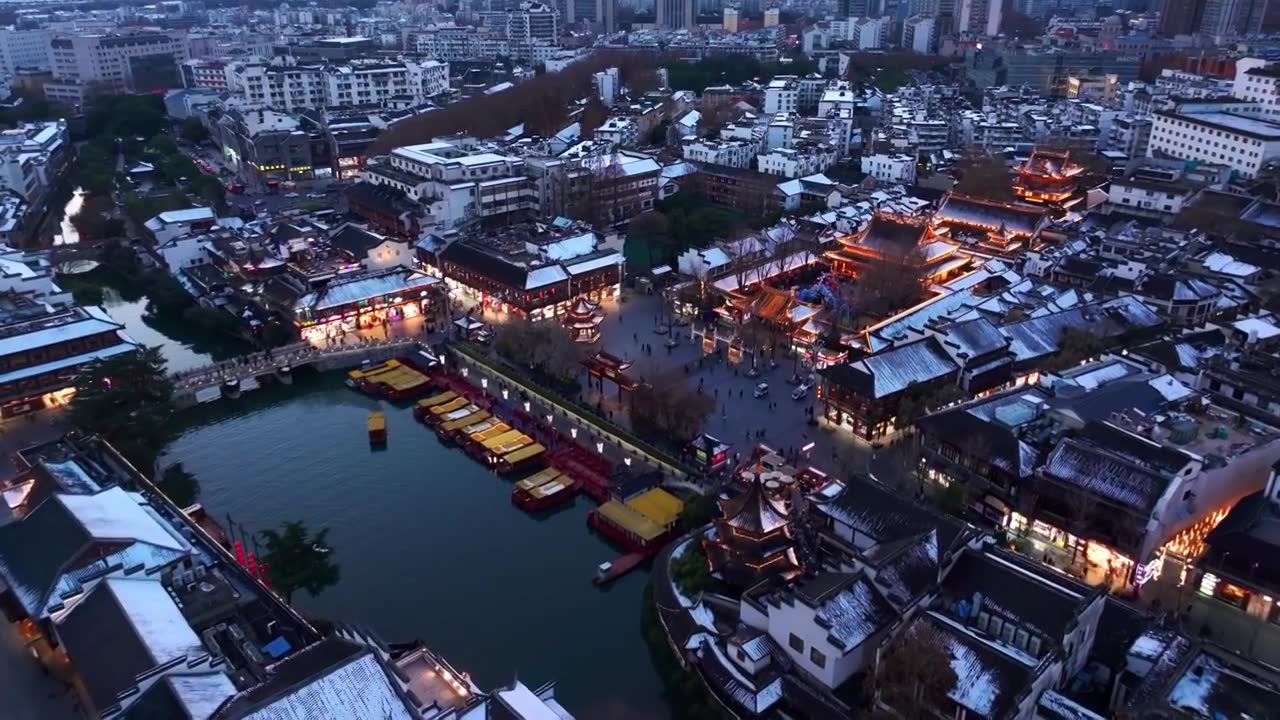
(1233, 18)
(607, 15)
(980, 17)
(533, 23)
(730, 21)
(919, 34)
(136, 62)
(676, 14)
(285, 86)
(28, 49)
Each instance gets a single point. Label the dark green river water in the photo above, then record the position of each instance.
(429, 544)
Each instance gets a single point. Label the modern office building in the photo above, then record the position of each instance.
(676, 14)
(134, 62)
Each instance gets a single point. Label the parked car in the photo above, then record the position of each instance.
(761, 390)
(801, 390)
(292, 195)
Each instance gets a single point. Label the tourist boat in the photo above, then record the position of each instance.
(435, 412)
(466, 432)
(545, 496)
(504, 445)
(642, 524)
(377, 428)
(421, 408)
(541, 477)
(520, 458)
(392, 379)
(457, 413)
(546, 488)
(231, 389)
(477, 447)
(473, 418)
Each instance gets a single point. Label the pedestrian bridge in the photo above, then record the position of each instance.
(205, 383)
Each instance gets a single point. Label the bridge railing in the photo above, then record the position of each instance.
(244, 365)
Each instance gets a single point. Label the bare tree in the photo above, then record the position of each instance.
(890, 284)
(914, 674)
(667, 405)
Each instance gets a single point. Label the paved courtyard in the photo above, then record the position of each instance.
(738, 418)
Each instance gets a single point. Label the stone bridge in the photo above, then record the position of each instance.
(259, 364)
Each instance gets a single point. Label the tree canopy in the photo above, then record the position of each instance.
(180, 486)
(730, 70)
(128, 400)
(296, 560)
(914, 674)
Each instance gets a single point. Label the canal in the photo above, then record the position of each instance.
(429, 545)
(184, 347)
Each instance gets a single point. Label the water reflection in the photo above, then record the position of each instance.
(183, 346)
(67, 233)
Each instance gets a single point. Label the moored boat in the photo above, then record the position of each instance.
(473, 418)
(545, 496)
(457, 413)
(520, 458)
(424, 404)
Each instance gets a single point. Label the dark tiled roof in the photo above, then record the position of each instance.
(354, 240)
(1105, 475)
(1246, 543)
(100, 638)
(959, 427)
(875, 511)
(487, 264)
(35, 551)
(975, 337)
(1021, 591)
(293, 672)
(975, 211)
(892, 238)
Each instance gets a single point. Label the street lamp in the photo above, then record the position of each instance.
(574, 433)
(505, 395)
(484, 383)
(466, 372)
(526, 406)
(600, 447)
(627, 461)
(550, 418)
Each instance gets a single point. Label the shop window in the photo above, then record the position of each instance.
(996, 625)
(984, 619)
(796, 643)
(1020, 639)
(817, 657)
(1033, 646)
(1006, 635)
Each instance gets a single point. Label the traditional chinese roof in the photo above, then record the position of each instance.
(976, 212)
(752, 511)
(1049, 163)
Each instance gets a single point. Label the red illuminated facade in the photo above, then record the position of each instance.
(1051, 179)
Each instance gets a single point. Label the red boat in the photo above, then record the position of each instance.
(543, 489)
(548, 495)
(610, 571)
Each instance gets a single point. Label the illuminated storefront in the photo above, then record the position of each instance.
(349, 167)
(1253, 602)
(538, 292)
(1117, 565)
(364, 302)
